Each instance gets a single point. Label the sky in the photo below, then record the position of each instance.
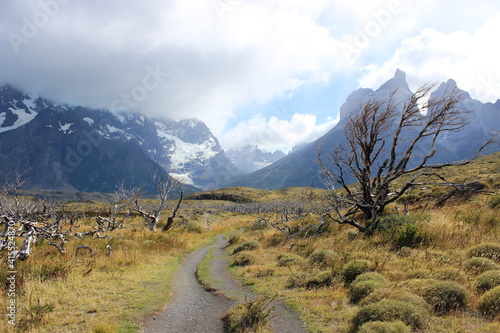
(271, 73)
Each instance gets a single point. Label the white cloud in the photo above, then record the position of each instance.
(222, 56)
(93, 52)
(469, 58)
(274, 133)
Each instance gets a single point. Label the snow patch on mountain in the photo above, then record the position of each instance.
(66, 128)
(112, 132)
(184, 178)
(29, 104)
(251, 158)
(184, 152)
(89, 121)
(24, 115)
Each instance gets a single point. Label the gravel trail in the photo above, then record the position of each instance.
(192, 309)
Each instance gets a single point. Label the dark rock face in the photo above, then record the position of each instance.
(61, 147)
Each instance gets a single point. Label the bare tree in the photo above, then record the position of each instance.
(30, 220)
(385, 141)
(152, 213)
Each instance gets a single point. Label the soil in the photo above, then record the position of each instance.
(192, 309)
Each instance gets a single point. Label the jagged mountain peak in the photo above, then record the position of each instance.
(300, 167)
(397, 82)
(186, 149)
(449, 86)
(357, 98)
(354, 101)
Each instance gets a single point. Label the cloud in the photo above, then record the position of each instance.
(468, 58)
(274, 133)
(217, 55)
(218, 58)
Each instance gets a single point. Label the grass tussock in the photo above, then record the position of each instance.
(488, 280)
(489, 303)
(250, 316)
(428, 271)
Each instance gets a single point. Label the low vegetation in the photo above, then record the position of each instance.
(421, 266)
(434, 269)
(103, 282)
(249, 316)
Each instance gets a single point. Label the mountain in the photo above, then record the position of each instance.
(251, 158)
(484, 122)
(300, 167)
(63, 147)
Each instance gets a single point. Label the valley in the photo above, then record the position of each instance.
(278, 248)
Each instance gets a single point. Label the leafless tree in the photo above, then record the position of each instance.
(386, 140)
(152, 213)
(28, 219)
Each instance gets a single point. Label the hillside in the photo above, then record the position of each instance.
(75, 148)
(433, 268)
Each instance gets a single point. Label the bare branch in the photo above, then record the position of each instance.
(382, 143)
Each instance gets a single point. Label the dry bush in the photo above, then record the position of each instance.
(244, 259)
(385, 327)
(323, 257)
(321, 279)
(488, 280)
(396, 293)
(443, 296)
(248, 316)
(391, 310)
(364, 285)
(489, 303)
(247, 246)
(288, 259)
(356, 267)
(476, 265)
(362, 289)
(485, 250)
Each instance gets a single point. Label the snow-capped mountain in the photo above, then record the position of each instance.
(71, 137)
(251, 158)
(300, 167)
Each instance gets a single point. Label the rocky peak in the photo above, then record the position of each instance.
(397, 82)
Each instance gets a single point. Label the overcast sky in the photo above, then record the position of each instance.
(266, 72)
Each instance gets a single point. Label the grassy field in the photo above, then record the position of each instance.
(106, 292)
(418, 272)
(427, 258)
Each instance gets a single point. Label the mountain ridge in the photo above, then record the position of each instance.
(75, 136)
(300, 168)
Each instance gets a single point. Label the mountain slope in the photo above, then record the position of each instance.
(76, 148)
(57, 150)
(251, 158)
(300, 168)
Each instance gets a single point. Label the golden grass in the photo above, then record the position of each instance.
(102, 293)
(78, 293)
(447, 234)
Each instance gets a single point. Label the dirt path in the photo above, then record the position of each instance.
(195, 310)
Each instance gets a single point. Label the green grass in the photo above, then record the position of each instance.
(203, 274)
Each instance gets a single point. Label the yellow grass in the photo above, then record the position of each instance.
(102, 293)
(78, 293)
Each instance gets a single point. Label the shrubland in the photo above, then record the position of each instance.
(424, 265)
(434, 269)
(108, 281)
